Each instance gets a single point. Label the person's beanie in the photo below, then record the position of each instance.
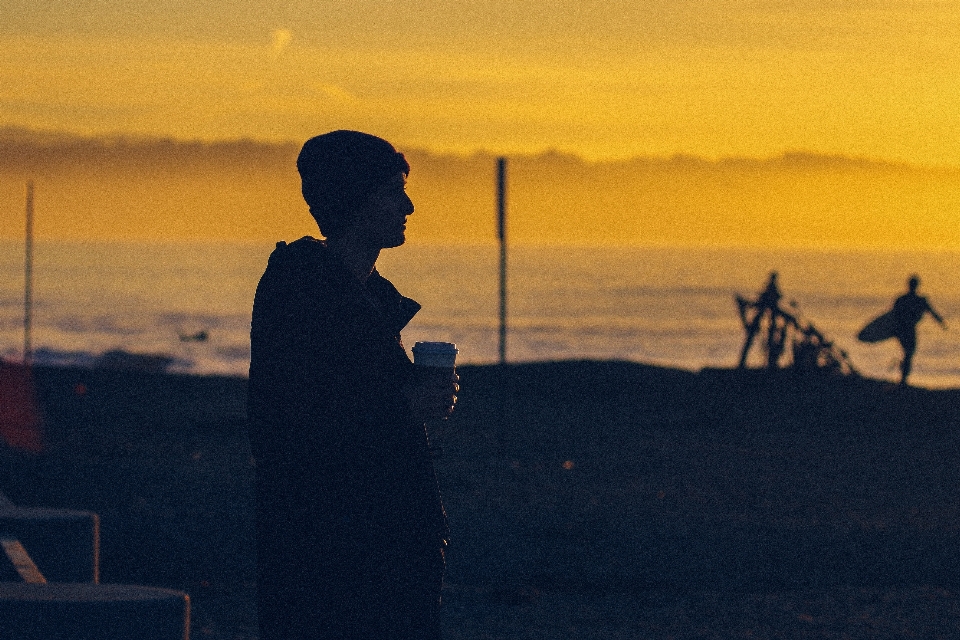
(338, 170)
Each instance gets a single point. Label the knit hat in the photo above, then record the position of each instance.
(338, 170)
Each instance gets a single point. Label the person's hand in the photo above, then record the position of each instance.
(432, 397)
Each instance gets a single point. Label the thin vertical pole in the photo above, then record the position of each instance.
(502, 236)
(28, 281)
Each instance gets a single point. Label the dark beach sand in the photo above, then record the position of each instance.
(586, 500)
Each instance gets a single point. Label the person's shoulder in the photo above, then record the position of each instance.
(304, 251)
(307, 257)
(301, 265)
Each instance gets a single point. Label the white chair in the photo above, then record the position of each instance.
(51, 561)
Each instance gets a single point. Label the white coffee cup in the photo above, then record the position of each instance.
(441, 355)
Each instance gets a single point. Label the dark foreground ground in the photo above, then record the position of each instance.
(586, 500)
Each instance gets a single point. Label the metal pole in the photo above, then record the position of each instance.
(28, 281)
(502, 236)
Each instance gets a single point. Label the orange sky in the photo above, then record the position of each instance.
(598, 78)
(601, 80)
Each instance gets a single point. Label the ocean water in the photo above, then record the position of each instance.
(672, 307)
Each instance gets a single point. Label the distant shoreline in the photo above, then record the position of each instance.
(672, 307)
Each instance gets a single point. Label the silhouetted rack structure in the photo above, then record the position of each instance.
(790, 333)
(502, 237)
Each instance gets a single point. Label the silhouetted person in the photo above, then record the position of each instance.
(908, 310)
(766, 306)
(350, 527)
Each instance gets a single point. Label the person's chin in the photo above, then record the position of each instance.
(396, 241)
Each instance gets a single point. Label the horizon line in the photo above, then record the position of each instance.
(492, 245)
(52, 138)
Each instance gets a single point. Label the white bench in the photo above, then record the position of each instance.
(64, 543)
(56, 553)
(88, 611)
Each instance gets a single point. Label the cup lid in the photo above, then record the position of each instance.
(435, 347)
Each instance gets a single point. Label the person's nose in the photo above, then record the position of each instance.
(408, 205)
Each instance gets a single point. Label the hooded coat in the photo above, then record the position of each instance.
(350, 527)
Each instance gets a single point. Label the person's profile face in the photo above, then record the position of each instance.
(382, 220)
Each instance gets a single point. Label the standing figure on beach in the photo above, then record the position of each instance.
(908, 310)
(350, 527)
(767, 306)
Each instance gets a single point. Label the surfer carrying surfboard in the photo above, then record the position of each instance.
(908, 311)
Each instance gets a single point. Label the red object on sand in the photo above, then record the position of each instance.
(20, 424)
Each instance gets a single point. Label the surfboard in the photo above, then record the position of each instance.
(879, 329)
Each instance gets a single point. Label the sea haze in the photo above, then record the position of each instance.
(671, 307)
(121, 189)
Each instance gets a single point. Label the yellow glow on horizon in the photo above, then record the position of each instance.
(165, 190)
